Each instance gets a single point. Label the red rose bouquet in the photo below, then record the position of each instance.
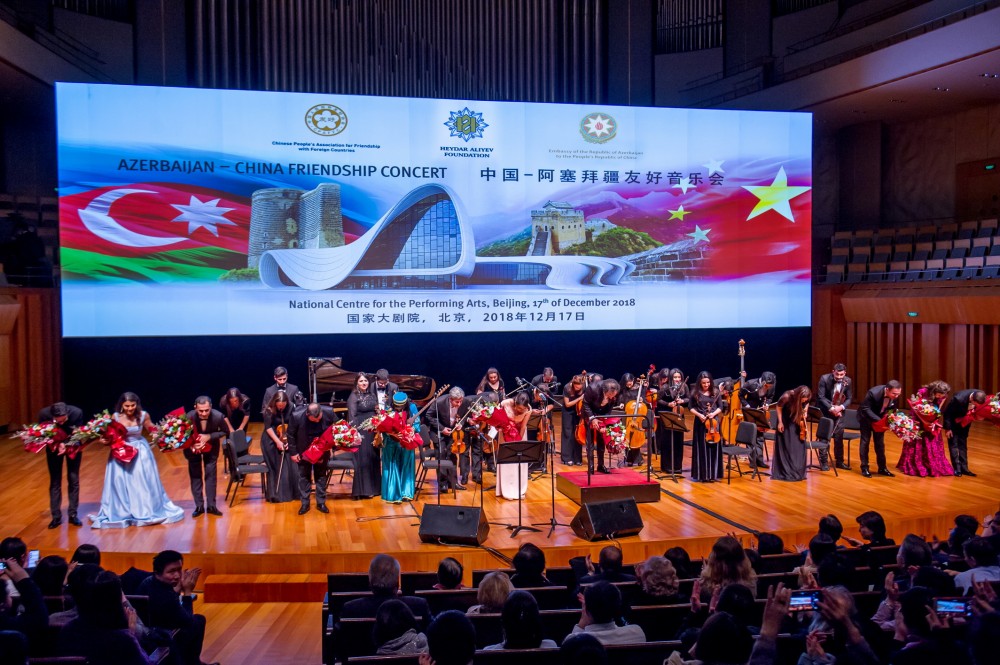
(903, 426)
(39, 436)
(394, 424)
(925, 412)
(175, 431)
(614, 436)
(338, 435)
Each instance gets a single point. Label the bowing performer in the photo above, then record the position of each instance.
(878, 402)
(958, 417)
(570, 450)
(833, 396)
(758, 394)
(442, 419)
(599, 399)
(66, 418)
(305, 427)
(210, 427)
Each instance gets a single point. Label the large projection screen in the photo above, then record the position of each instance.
(221, 212)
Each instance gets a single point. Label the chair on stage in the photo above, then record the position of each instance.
(342, 461)
(238, 472)
(429, 460)
(821, 441)
(746, 436)
(852, 430)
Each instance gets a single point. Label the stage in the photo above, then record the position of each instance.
(259, 538)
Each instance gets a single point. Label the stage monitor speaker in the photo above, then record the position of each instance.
(604, 519)
(461, 525)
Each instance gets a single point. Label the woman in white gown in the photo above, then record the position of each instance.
(133, 494)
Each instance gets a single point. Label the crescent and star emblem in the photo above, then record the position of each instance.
(198, 214)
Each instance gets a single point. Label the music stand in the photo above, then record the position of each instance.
(520, 452)
(672, 422)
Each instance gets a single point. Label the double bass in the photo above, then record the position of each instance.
(635, 432)
(581, 426)
(734, 416)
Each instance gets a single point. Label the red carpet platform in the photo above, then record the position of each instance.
(619, 484)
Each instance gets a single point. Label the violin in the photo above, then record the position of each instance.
(712, 433)
(457, 441)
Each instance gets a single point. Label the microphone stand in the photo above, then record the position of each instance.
(553, 523)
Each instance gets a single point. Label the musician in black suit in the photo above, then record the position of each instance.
(383, 389)
(442, 417)
(960, 406)
(879, 401)
(66, 418)
(305, 427)
(599, 398)
(210, 431)
(833, 396)
(295, 395)
(758, 394)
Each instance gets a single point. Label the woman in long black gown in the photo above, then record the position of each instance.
(361, 406)
(706, 458)
(789, 451)
(282, 473)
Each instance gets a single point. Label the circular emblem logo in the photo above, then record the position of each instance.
(466, 124)
(326, 120)
(598, 127)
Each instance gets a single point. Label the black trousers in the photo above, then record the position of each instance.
(838, 438)
(867, 436)
(202, 472)
(595, 449)
(55, 463)
(958, 448)
(318, 472)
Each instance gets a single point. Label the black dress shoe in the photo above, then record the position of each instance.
(968, 473)
(761, 464)
(323, 509)
(198, 512)
(460, 487)
(603, 469)
(304, 509)
(865, 472)
(55, 523)
(958, 474)
(212, 510)
(843, 467)
(75, 521)
(885, 472)
(824, 467)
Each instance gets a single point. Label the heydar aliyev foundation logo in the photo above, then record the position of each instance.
(466, 124)
(326, 120)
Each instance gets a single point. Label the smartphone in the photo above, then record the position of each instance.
(32, 559)
(959, 607)
(3, 565)
(805, 600)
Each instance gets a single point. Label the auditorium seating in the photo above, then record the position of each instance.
(946, 251)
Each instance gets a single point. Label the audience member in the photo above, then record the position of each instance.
(765, 649)
(86, 553)
(449, 575)
(769, 543)
(522, 624)
(601, 606)
(914, 641)
(982, 559)
(82, 575)
(383, 579)
(171, 603)
(101, 633)
(395, 632)
(31, 619)
(724, 640)
(984, 635)
(14, 548)
(835, 632)
(13, 645)
(835, 570)
(609, 568)
(50, 575)
(831, 526)
(871, 526)
(529, 567)
(681, 561)
(913, 555)
(967, 522)
(451, 640)
(582, 649)
(492, 594)
(659, 582)
(726, 564)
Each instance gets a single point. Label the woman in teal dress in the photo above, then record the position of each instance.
(399, 463)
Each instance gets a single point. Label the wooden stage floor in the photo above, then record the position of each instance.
(255, 537)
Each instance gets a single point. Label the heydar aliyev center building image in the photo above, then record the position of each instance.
(421, 242)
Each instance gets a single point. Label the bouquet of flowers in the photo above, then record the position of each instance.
(95, 429)
(903, 426)
(393, 423)
(490, 413)
(175, 431)
(614, 436)
(39, 436)
(925, 412)
(338, 435)
(993, 404)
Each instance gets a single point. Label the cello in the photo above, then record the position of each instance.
(734, 416)
(581, 426)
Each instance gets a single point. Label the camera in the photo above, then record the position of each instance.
(958, 607)
(805, 600)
